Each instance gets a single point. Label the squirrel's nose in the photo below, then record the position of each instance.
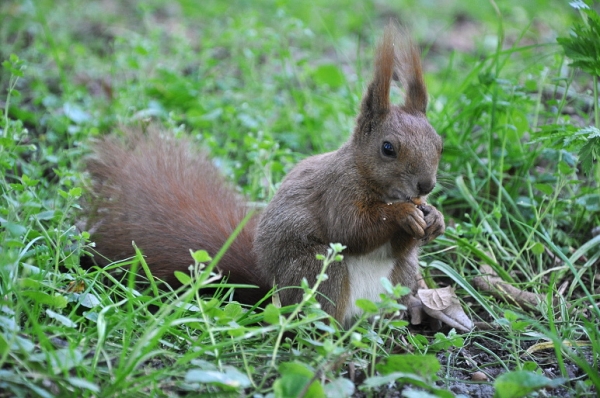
(425, 186)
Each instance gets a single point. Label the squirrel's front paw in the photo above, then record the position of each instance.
(412, 220)
(434, 221)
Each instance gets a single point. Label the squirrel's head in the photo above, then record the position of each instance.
(396, 150)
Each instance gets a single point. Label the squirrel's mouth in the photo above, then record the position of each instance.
(419, 200)
(397, 196)
(390, 199)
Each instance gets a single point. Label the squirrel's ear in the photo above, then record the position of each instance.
(376, 101)
(408, 71)
(398, 59)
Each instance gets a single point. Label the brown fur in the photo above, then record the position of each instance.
(168, 200)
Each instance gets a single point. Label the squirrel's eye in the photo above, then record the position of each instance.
(388, 149)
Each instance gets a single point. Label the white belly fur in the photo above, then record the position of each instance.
(365, 273)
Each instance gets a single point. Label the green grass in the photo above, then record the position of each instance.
(262, 85)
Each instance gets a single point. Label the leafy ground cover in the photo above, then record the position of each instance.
(261, 85)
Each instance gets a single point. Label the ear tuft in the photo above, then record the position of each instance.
(408, 71)
(377, 98)
(397, 58)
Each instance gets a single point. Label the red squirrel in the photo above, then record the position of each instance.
(368, 195)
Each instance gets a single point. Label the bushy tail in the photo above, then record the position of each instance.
(168, 198)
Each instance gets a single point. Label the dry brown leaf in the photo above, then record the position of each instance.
(77, 286)
(453, 316)
(547, 345)
(490, 282)
(437, 299)
(441, 304)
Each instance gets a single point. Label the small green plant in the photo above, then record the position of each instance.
(583, 48)
(409, 369)
(521, 383)
(15, 67)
